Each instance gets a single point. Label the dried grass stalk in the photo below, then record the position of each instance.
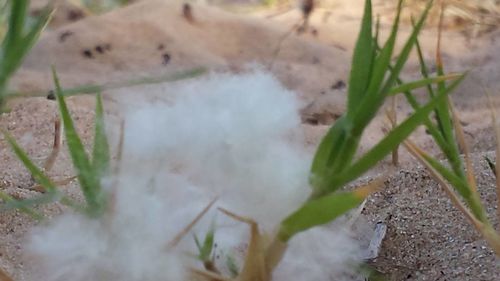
(4, 276)
(475, 17)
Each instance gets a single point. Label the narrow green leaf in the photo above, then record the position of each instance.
(445, 123)
(420, 83)
(449, 149)
(376, 35)
(391, 140)
(327, 150)
(44, 199)
(460, 185)
(94, 88)
(89, 182)
(32, 36)
(197, 242)
(36, 172)
(208, 244)
(8, 199)
(361, 61)
(318, 212)
(403, 56)
(16, 44)
(431, 127)
(100, 156)
(18, 10)
(234, 271)
(423, 65)
(369, 106)
(52, 193)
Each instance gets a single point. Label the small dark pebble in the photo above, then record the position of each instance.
(75, 15)
(107, 47)
(311, 121)
(35, 13)
(301, 29)
(166, 58)
(187, 12)
(51, 95)
(87, 53)
(99, 49)
(314, 32)
(340, 84)
(160, 47)
(64, 35)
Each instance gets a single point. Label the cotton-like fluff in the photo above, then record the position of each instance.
(130, 242)
(231, 135)
(223, 136)
(321, 254)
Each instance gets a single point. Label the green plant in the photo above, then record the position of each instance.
(372, 80)
(99, 6)
(206, 248)
(19, 38)
(458, 180)
(95, 88)
(90, 169)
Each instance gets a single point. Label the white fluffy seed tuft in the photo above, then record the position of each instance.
(235, 138)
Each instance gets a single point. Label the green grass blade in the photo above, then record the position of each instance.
(36, 172)
(232, 266)
(93, 88)
(43, 199)
(403, 56)
(361, 61)
(421, 60)
(431, 127)
(328, 149)
(420, 83)
(318, 212)
(371, 104)
(32, 36)
(100, 155)
(52, 193)
(16, 44)
(89, 182)
(450, 150)
(443, 117)
(208, 244)
(445, 123)
(18, 10)
(373, 100)
(377, 33)
(459, 184)
(8, 199)
(197, 242)
(393, 139)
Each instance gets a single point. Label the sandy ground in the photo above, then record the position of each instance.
(427, 238)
